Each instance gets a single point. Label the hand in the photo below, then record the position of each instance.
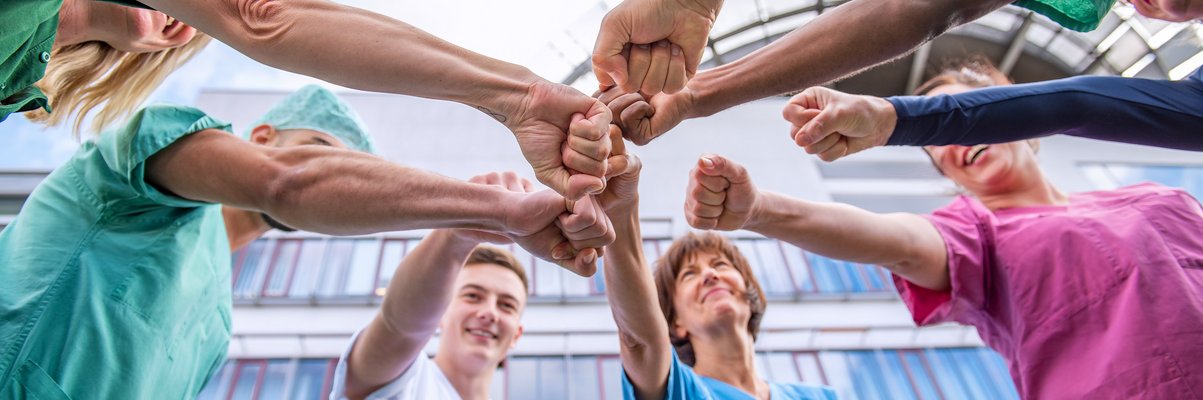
(622, 190)
(720, 195)
(587, 228)
(641, 120)
(684, 23)
(834, 124)
(531, 222)
(562, 133)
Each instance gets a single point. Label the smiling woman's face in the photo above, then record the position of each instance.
(711, 294)
(985, 169)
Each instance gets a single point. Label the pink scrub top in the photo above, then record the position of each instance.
(1100, 299)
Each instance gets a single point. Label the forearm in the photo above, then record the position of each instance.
(1140, 111)
(357, 48)
(842, 41)
(642, 334)
(418, 295)
(346, 193)
(904, 243)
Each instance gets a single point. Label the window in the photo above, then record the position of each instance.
(1111, 176)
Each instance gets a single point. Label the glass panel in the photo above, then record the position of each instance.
(394, 251)
(778, 275)
(839, 375)
(248, 377)
(584, 378)
(999, 373)
(749, 251)
(365, 261)
(896, 378)
(552, 383)
(338, 259)
(522, 380)
(246, 283)
(575, 285)
(598, 281)
(947, 375)
(310, 377)
(309, 267)
(809, 369)
(783, 368)
(611, 376)
(274, 379)
(798, 266)
(528, 263)
(219, 385)
(550, 279)
(281, 266)
(915, 363)
(650, 252)
(827, 274)
(867, 376)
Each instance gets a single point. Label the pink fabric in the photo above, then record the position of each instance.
(1100, 299)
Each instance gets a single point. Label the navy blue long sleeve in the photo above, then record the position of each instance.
(1141, 111)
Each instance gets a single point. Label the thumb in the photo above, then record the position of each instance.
(818, 128)
(716, 165)
(609, 65)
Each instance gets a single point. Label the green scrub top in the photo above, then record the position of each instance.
(26, 38)
(111, 288)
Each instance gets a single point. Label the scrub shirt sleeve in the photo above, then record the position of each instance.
(967, 231)
(149, 131)
(1130, 110)
(682, 384)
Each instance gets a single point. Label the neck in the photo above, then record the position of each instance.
(1034, 192)
(470, 383)
(74, 23)
(242, 226)
(730, 358)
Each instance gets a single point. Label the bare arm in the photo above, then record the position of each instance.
(906, 244)
(849, 38)
(643, 336)
(327, 190)
(722, 196)
(410, 313)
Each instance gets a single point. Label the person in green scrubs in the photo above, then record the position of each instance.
(116, 273)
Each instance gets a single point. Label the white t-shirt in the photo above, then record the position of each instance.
(423, 380)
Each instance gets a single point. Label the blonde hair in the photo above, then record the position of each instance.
(82, 77)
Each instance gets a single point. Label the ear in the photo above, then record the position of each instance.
(679, 331)
(517, 335)
(264, 134)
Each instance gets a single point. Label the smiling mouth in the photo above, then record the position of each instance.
(714, 292)
(481, 333)
(974, 153)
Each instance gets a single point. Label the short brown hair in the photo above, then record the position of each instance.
(485, 254)
(973, 71)
(669, 266)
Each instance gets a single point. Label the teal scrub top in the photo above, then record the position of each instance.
(684, 384)
(113, 289)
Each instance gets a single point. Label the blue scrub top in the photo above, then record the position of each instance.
(684, 384)
(111, 288)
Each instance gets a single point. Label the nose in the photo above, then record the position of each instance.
(487, 313)
(709, 277)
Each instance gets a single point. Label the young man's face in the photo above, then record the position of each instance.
(483, 322)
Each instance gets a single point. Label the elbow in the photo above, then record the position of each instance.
(290, 175)
(259, 22)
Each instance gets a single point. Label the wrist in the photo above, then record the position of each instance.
(887, 119)
(759, 216)
(505, 97)
(454, 241)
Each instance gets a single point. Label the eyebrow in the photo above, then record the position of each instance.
(470, 286)
(322, 142)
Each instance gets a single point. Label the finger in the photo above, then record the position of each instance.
(590, 148)
(585, 263)
(704, 195)
(700, 222)
(798, 115)
(823, 145)
(637, 66)
(653, 82)
(823, 124)
(617, 145)
(618, 165)
(676, 79)
(578, 186)
(635, 115)
(512, 182)
(693, 45)
(596, 123)
(608, 96)
(712, 183)
(703, 210)
(716, 165)
(609, 65)
(620, 104)
(837, 151)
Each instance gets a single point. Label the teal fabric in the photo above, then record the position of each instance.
(1078, 15)
(684, 384)
(113, 289)
(315, 108)
(26, 39)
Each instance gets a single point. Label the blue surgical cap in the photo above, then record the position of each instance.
(313, 107)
